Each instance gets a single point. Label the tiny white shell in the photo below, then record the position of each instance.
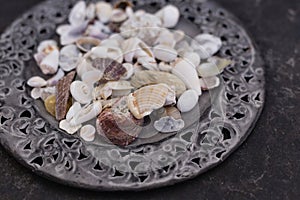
(54, 80)
(66, 126)
(36, 82)
(47, 46)
(78, 13)
(209, 83)
(206, 45)
(92, 77)
(118, 16)
(84, 66)
(49, 64)
(165, 53)
(81, 92)
(36, 93)
(104, 11)
(87, 113)
(87, 133)
(206, 70)
(193, 58)
(69, 57)
(168, 124)
(187, 101)
(164, 67)
(130, 71)
(75, 108)
(169, 16)
(91, 11)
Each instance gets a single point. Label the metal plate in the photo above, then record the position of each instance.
(32, 137)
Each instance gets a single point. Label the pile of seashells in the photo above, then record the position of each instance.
(114, 67)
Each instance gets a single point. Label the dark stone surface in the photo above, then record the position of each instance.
(267, 166)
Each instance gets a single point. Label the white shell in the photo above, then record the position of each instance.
(66, 126)
(168, 124)
(75, 108)
(47, 46)
(112, 52)
(130, 71)
(92, 77)
(98, 30)
(36, 82)
(115, 89)
(81, 92)
(87, 133)
(36, 93)
(62, 29)
(118, 16)
(167, 38)
(69, 57)
(165, 53)
(192, 58)
(209, 83)
(169, 16)
(78, 13)
(178, 35)
(164, 67)
(54, 80)
(206, 45)
(72, 33)
(187, 101)
(87, 113)
(49, 64)
(104, 11)
(47, 91)
(91, 11)
(188, 74)
(84, 66)
(85, 44)
(206, 70)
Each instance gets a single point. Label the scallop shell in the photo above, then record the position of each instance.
(171, 121)
(66, 126)
(54, 80)
(165, 53)
(147, 99)
(187, 101)
(188, 74)
(62, 95)
(36, 82)
(206, 45)
(104, 11)
(87, 133)
(87, 113)
(78, 13)
(143, 78)
(81, 92)
(49, 64)
(209, 83)
(85, 44)
(169, 16)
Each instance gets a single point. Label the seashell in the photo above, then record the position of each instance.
(110, 42)
(178, 35)
(115, 89)
(169, 16)
(81, 92)
(98, 30)
(62, 95)
(147, 99)
(111, 52)
(183, 47)
(209, 83)
(109, 103)
(137, 67)
(91, 11)
(36, 93)
(36, 82)
(47, 46)
(148, 62)
(74, 109)
(49, 64)
(129, 47)
(188, 74)
(62, 29)
(87, 113)
(170, 122)
(104, 11)
(118, 16)
(50, 104)
(84, 65)
(206, 45)
(85, 44)
(118, 38)
(39, 57)
(113, 71)
(66, 126)
(187, 101)
(118, 124)
(78, 13)
(221, 63)
(91, 77)
(206, 70)
(165, 53)
(123, 4)
(144, 78)
(129, 71)
(72, 33)
(54, 80)
(69, 57)
(162, 66)
(87, 133)
(46, 92)
(192, 58)
(166, 38)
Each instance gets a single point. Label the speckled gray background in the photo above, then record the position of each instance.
(267, 166)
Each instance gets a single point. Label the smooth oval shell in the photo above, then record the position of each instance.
(74, 109)
(209, 83)
(104, 11)
(87, 133)
(78, 13)
(66, 126)
(69, 57)
(36, 82)
(165, 53)
(49, 64)
(192, 58)
(81, 92)
(206, 45)
(169, 16)
(144, 77)
(187, 101)
(147, 99)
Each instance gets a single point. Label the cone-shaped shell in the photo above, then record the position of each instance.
(143, 78)
(147, 99)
